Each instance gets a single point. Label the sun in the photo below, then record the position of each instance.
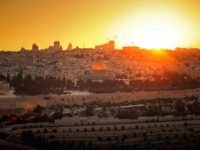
(158, 35)
(151, 31)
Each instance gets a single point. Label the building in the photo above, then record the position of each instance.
(57, 46)
(131, 48)
(35, 47)
(107, 46)
(98, 73)
(69, 47)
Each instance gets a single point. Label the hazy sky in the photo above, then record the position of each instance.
(90, 22)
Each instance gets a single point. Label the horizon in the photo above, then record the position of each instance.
(148, 24)
(84, 47)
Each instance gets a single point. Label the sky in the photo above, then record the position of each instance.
(86, 23)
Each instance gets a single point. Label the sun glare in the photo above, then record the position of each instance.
(152, 32)
(157, 35)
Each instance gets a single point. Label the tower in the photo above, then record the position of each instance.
(35, 47)
(69, 47)
(57, 46)
(111, 45)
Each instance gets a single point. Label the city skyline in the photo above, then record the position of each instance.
(148, 24)
(57, 46)
(99, 74)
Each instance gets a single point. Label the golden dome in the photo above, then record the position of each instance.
(99, 67)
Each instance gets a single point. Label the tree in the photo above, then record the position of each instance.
(180, 107)
(89, 110)
(38, 109)
(27, 137)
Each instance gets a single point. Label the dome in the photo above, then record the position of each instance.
(99, 67)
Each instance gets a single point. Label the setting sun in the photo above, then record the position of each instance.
(143, 23)
(158, 35)
(152, 30)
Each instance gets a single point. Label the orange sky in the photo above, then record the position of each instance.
(90, 22)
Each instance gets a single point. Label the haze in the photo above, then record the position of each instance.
(145, 23)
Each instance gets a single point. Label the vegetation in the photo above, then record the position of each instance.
(40, 85)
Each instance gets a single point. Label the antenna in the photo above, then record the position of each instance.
(113, 37)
